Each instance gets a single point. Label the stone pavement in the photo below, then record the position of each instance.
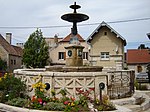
(130, 103)
(148, 110)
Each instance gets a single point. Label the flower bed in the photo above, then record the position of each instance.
(8, 108)
(40, 101)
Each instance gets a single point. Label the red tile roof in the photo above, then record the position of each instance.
(135, 56)
(13, 50)
(67, 38)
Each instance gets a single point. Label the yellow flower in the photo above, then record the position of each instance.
(72, 104)
(69, 104)
(43, 86)
(33, 85)
(0, 79)
(5, 76)
(41, 90)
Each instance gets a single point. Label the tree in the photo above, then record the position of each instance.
(35, 53)
(3, 65)
(142, 46)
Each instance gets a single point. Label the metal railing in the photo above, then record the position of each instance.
(121, 84)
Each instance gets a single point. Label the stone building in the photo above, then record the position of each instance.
(57, 51)
(10, 53)
(138, 59)
(106, 48)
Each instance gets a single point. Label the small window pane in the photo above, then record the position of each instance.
(85, 55)
(61, 55)
(104, 56)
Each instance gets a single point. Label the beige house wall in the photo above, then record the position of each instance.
(107, 43)
(3, 54)
(51, 42)
(134, 67)
(53, 53)
(13, 61)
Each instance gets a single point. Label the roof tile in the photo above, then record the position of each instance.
(67, 38)
(135, 56)
(13, 50)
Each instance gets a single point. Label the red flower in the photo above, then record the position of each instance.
(39, 99)
(72, 98)
(66, 102)
(40, 102)
(79, 90)
(92, 89)
(33, 98)
(44, 103)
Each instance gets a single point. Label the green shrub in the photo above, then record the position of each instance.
(54, 106)
(19, 102)
(143, 87)
(3, 65)
(11, 87)
(105, 104)
(140, 86)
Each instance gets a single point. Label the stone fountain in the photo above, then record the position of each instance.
(73, 76)
(75, 50)
(74, 61)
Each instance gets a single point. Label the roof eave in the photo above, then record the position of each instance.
(112, 30)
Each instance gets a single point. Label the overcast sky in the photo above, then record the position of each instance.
(40, 13)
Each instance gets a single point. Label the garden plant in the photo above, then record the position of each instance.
(11, 87)
(12, 92)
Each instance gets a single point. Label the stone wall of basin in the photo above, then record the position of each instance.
(71, 81)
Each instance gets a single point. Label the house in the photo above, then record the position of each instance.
(10, 53)
(52, 41)
(57, 51)
(106, 47)
(138, 59)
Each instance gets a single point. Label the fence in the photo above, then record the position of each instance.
(121, 84)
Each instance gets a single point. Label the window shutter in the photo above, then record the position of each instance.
(64, 55)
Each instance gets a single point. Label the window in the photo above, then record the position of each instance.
(104, 56)
(61, 55)
(105, 33)
(14, 62)
(11, 62)
(139, 68)
(85, 55)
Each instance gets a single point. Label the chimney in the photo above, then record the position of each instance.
(8, 37)
(56, 39)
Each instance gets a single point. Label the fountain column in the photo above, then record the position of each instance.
(74, 50)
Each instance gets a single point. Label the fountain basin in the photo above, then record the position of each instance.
(74, 68)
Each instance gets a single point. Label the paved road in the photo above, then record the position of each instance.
(146, 110)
